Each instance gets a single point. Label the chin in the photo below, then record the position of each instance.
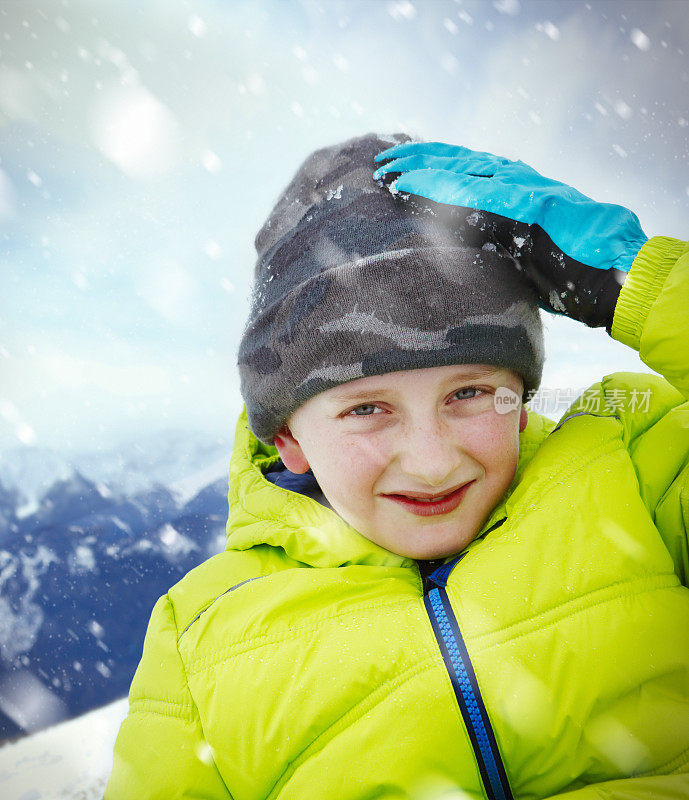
(431, 552)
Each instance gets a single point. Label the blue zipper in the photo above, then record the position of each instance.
(464, 683)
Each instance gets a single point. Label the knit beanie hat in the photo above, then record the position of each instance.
(354, 279)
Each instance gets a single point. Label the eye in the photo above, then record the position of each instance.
(474, 389)
(364, 405)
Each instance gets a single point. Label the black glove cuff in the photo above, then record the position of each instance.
(610, 291)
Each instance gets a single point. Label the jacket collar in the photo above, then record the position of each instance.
(261, 512)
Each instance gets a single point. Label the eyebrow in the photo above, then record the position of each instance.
(358, 394)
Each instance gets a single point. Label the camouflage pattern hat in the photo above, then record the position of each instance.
(352, 280)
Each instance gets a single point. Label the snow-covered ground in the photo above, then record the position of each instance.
(70, 761)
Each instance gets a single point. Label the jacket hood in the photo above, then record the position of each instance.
(263, 513)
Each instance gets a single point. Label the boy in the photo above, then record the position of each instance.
(522, 635)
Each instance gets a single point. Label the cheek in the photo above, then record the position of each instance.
(495, 441)
(348, 464)
(362, 457)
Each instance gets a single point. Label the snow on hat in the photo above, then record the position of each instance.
(355, 280)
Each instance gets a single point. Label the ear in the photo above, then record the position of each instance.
(523, 419)
(290, 451)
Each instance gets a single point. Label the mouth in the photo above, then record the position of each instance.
(426, 507)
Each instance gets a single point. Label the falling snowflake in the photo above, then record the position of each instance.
(103, 669)
(211, 161)
(622, 109)
(204, 753)
(510, 7)
(212, 249)
(550, 30)
(197, 26)
(640, 39)
(7, 199)
(34, 179)
(401, 9)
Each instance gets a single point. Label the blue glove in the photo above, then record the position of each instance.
(573, 250)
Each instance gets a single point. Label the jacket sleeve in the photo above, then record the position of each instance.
(160, 752)
(652, 316)
(651, 311)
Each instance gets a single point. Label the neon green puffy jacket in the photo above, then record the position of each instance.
(550, 659)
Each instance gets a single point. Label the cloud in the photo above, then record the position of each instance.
(81, 393)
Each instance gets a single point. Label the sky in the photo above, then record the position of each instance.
(143, 144)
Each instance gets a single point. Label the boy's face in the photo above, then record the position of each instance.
(423, 431)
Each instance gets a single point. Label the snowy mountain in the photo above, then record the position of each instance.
(162, 457)
(85, 551)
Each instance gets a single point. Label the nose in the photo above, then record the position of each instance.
(430, 454)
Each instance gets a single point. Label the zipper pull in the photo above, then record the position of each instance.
(426, 568)
(436, 573)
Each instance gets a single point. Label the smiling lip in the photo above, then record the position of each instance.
(426, 508)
